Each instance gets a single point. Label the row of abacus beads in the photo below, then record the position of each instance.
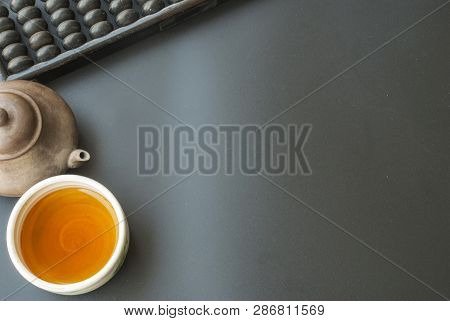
(13, 51)
(35, 28)
(63, 18)
(95, 18)
(123, 12)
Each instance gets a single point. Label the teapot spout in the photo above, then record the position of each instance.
(77, 158)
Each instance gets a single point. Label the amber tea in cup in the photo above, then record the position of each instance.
(68, 235)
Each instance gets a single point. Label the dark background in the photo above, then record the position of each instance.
(372, 78)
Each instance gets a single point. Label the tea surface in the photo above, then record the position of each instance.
(68, 235)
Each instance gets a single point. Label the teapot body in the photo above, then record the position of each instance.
(48, 150)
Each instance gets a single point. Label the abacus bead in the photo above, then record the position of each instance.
(94, 16)
(100, 29)
(16, 5)
(8, 37)
(47, 52)
(14, 50)
(28, 13)
(34, 25)
(19, 63)
(117, 6)
(126, 17)
(152, 6)
(4, 11)
(84, 6)
(6, 24)
(67, 27)
(40, 39)
(53, 5)
(74, 40)
(61, 15)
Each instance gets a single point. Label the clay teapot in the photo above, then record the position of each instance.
(38, 136)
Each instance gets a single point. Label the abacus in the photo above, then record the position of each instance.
(40, 37)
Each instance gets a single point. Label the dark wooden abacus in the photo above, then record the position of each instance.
(39, 38)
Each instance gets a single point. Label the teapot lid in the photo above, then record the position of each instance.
(20, 123)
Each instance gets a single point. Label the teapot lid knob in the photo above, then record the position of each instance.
(20, 123)
(3, 117)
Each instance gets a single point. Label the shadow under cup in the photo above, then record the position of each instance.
(67, 235)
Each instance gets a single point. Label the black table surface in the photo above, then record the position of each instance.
(370, 223)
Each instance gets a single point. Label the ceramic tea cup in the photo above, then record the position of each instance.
(26, 203)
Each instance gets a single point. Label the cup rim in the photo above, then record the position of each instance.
(95, 280)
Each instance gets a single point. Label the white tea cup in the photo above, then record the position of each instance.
(36, 193)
